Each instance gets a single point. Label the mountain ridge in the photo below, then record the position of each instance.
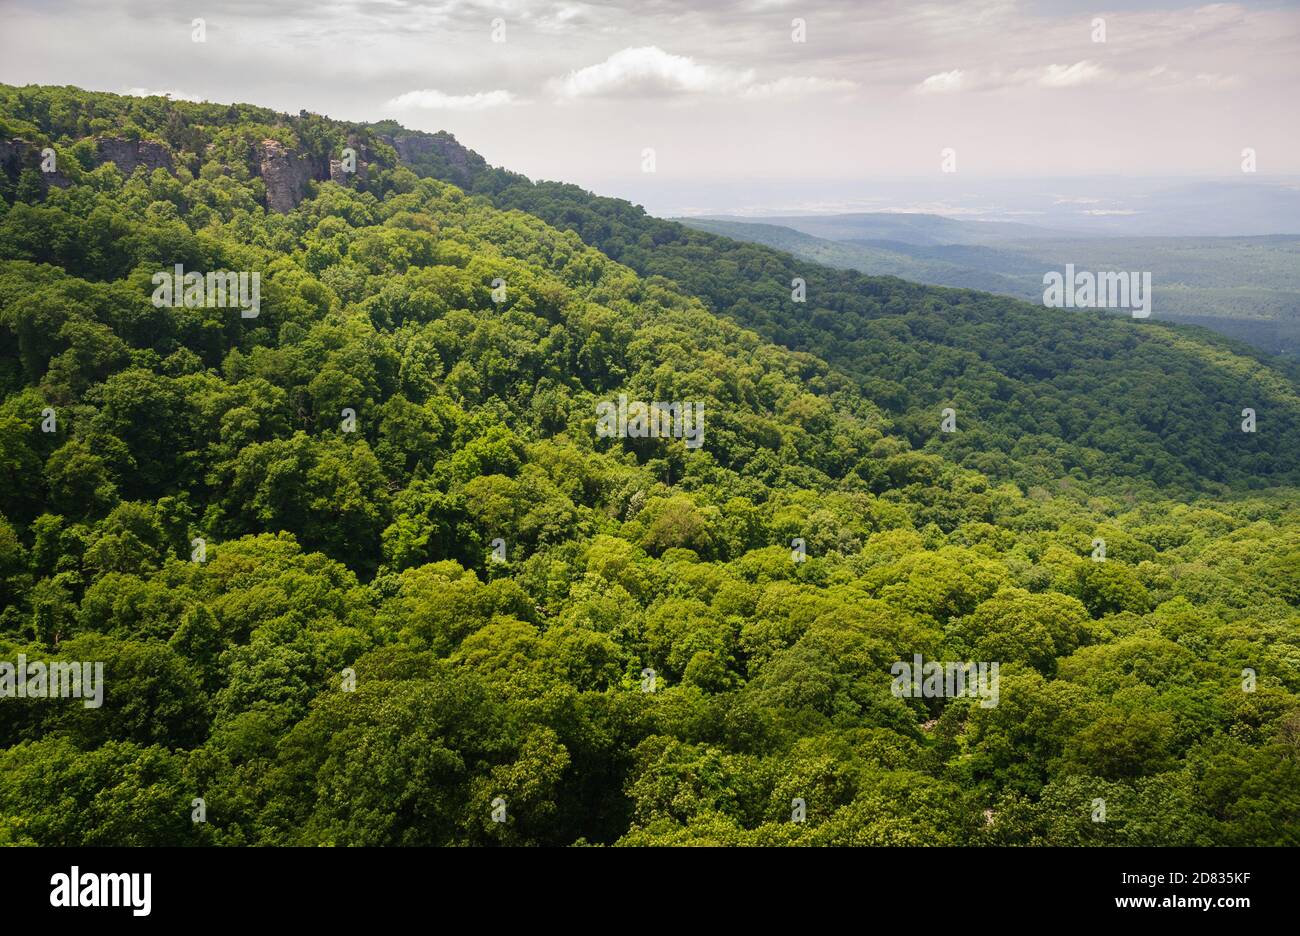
(846, 320)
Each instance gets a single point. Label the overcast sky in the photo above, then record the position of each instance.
(720, 90)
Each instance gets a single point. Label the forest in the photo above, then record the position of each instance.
(360, 570)
(1244, 287)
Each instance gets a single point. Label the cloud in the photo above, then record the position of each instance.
(649, 71)
(943, 82)
(430, 99)
(564, 17)
(1070, 76)
(1050, 76)
(174, 95)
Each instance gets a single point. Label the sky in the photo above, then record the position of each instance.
(747, 105)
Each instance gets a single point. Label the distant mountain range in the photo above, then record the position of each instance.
(1244, 287)
(897, 226)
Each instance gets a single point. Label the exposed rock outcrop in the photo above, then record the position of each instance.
(128, 154)
(438, 151)
(13, 155)
(17, 155)
(340, 175)
(286, 175)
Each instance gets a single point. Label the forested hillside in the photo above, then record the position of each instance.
(923, 264)
(1044, 392)
(361, 570)
(1243, 287)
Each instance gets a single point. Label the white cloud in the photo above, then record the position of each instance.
(563, 17)
(1049, 76)
(430, 99)
(1070, 76)
(649, 70)
(174, 95)
(943, 82)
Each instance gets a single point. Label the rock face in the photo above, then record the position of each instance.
(13, 154)
(17, 155)
(437, 150)
(338, 175)
(285, 172)
(286, 175)
(128, 154)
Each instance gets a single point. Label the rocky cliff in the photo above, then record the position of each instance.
(285, 172)
(363, 158)
(286, 175)
(438, 153)
(128, 154)
(17, 155)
